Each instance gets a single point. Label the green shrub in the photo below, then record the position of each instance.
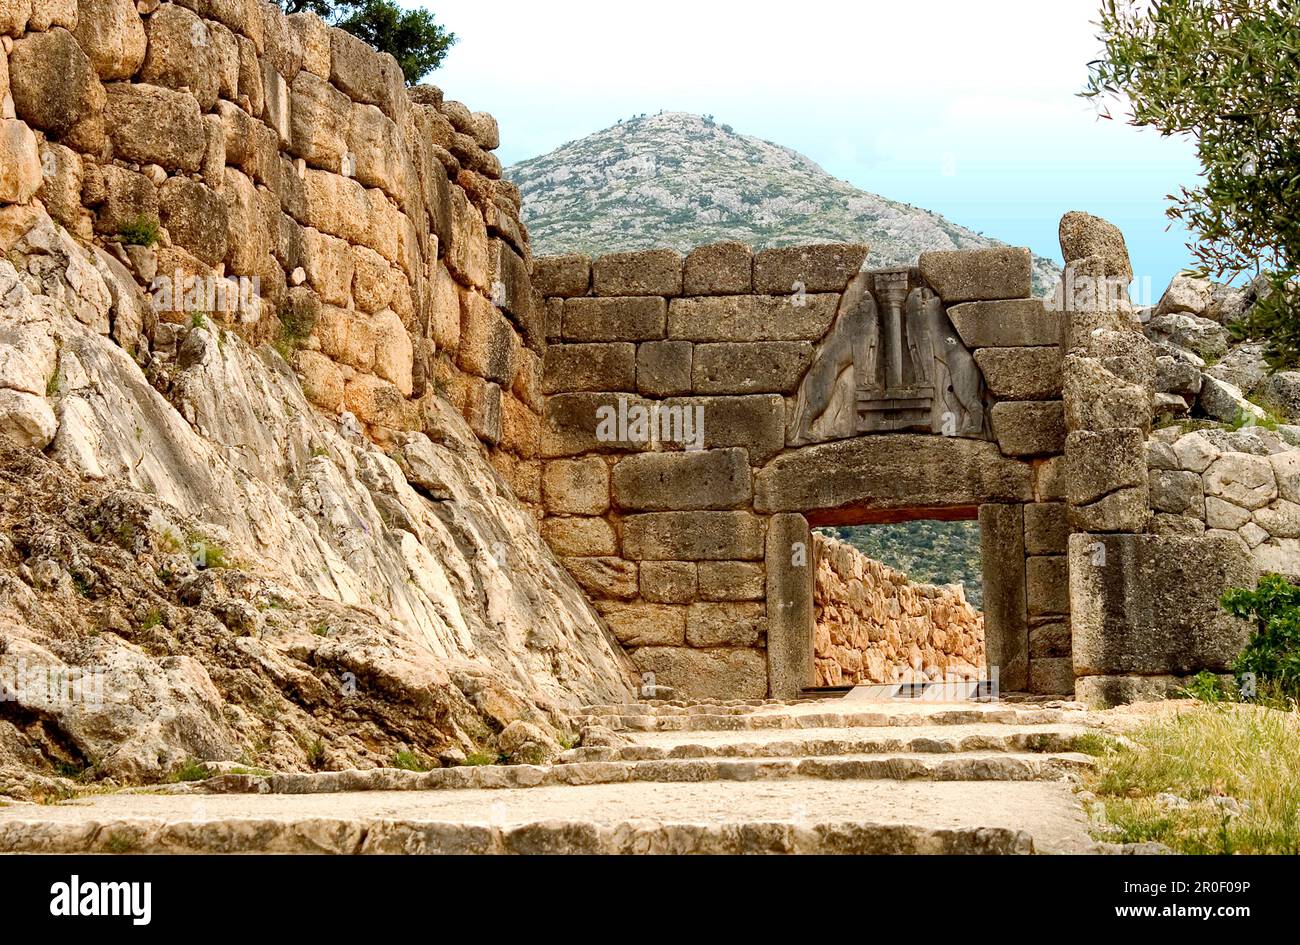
(140, 231)
(1272, 655)
(411, 761)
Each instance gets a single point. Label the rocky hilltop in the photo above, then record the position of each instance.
(681, 180)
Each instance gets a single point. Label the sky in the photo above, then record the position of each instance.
(966, 108)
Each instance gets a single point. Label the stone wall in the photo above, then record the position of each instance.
(388, 255)
(694, 540)
(875, 626)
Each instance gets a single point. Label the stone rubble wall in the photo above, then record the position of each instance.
(700, 559)
(876, 626)
(390, 259)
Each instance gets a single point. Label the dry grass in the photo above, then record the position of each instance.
(1236, 767)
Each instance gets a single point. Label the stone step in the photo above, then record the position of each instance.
(832, 742)
(971, 766)
(791, 719)
(797, 815)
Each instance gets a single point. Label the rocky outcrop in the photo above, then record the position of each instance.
(876, 626)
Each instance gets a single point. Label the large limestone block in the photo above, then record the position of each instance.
(53, 84)
(969, 275)
(719, 673)
(248, 242)
(731, 580)
(664, 368)
(1046, 528)
(20, 163)
(693, 536)
(195, 218)
(1047, 591)
(487, 342)
(1014, 323)
(1149, 604)
(1102, 692)
(467, 250)
(647, 272)
(669, 582)
(328, 262)
(1177, 492)
(181, 54)
(1021, 373)
(790, 568)
(1029, 427)
(606, 577)
(614, 319)
(364, 74)
(318, 122)
(153, 125)
(576, 486)
(564, 276)
(1097, 399)
(1186, 294)
(643, 624)
(800, 269)
(1051, 676)
(1083, 235)
(1099, 463)
(729, 624)
(753, 368)
(747, 318)
(719, 269)
(868, 477)
(14, 15)
(1286, 469)
(755, 422)
(512, 290)
(580, 537)
(112, 35)
(660, 482)
(376, 143)
(313, 38)
(393, 351)
(589, 367)
(1002, 555)
(1244, 480)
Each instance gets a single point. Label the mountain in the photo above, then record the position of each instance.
(681, 180)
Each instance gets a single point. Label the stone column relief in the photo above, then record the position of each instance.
(892, 361)
(790, 618)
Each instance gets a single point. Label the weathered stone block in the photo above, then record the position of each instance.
(790, 569)
(605, 577)
(318, 122)
(1046, 528)
(52, 82)
(731, 580)
(721, 673)
(364, 74)
(968, 275)
(795, 269)
(195, 218)
(749, 318)
(562, 276)
(1050, 639)
(483, 409)
(719, 269)
(326, 259)
(759, 367)
(153, 125)
(709, 479)
(663, 368)
(668, 582)
(576, 486)
(589, 367)
(376, 402)
(112, 35)
(1002, 554)
(729, 624)
(647, 272)
(1083, 235)
(1149, 604)
(1177, 492)
(1053, 676)
(755, 422)
(1029, 427)
(1099, 463)
(1015, 323)
(642, 624)
(181, 54)
(1097, 399)
(580, 537)
(467, 250)
(487, 342)
(614, 319)
(693, 536)
(20, 163)
(1242, 479)
(1102, 692)
(1021, 373)
(1047, 589)
(578, 422)
(865, 478)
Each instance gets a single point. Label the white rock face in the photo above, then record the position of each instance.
(365, 613)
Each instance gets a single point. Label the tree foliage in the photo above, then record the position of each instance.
(414, 39)
(1272, 654)
(1227, 74)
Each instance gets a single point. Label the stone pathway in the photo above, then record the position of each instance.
(812, 777)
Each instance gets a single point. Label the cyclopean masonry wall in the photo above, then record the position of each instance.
(790, 388)
(873, 625)
(387, 251)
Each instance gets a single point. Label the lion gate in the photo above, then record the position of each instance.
(705, 413)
